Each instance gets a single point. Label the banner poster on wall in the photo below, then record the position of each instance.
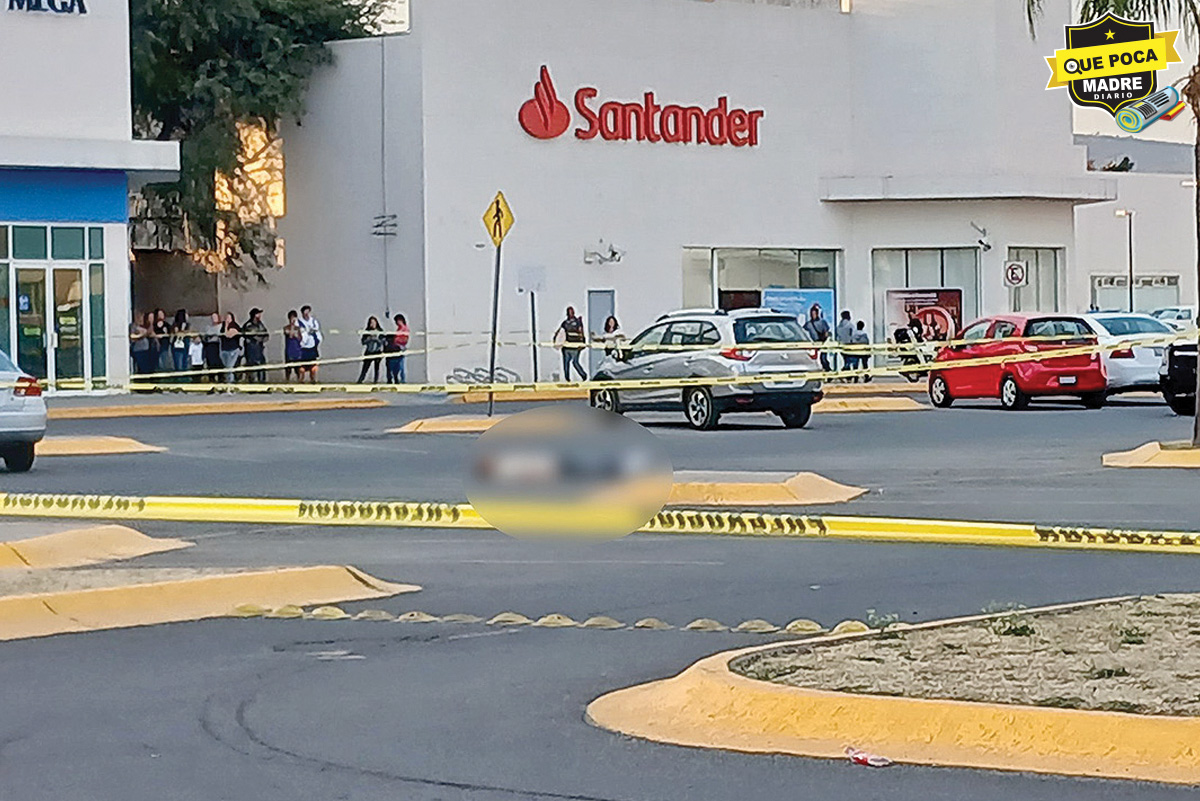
(938, 312)
(797, 302)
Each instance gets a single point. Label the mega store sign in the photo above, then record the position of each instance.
(545, 116)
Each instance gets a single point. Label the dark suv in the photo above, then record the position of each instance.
(1177, 377)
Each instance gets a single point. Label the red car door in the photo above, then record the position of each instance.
(1002, 341)
(966, 382)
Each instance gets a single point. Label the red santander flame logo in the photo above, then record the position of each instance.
(545, 116)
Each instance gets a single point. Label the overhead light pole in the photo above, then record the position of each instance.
(1128, 215)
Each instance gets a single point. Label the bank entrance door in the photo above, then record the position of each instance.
(51, 323)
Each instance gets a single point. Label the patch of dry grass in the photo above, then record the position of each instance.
(1140, 656)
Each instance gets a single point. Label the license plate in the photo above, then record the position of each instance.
(782, 384)
(1066, 380)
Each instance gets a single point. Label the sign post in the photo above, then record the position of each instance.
(532, 279)
(498, 219)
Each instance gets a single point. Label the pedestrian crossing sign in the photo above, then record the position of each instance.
(498, 219)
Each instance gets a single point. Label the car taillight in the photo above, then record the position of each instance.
(1123, 353)
(814, 355)
(27, 387)
(737, 354)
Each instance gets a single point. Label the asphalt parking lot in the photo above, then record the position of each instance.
(344, 709)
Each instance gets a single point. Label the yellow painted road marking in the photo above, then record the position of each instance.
(93, 446)
(85, 546)
(747, 489)
(151, 409)
(1156, 454)
(189, 599)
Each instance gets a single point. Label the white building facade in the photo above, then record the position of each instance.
(66, 161)
(660, 154)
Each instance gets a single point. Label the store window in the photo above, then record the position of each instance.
(1043, 268)
(742, 273)
(924, 268)
(1150, 292)
(52, 302)
(29, 242)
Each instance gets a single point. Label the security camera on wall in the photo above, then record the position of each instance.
(983, 240)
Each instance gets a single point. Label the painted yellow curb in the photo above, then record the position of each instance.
(1156, 454)
(84, 546)
(709, 706)
(93, 446)
(851, 405)
(448, 424)
(742, 490)
(232, 407)
(876, 388)
(190, 599)
(526, 395)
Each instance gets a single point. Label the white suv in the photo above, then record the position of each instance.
(698, 343)
(22, 416)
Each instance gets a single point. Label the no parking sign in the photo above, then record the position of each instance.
(1016, 273)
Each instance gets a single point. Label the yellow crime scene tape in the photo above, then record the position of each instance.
(416, 514)
(735, 380)
(199, 385)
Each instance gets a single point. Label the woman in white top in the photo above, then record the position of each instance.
(614, 338)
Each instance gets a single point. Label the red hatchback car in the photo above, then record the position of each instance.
(1014, 383)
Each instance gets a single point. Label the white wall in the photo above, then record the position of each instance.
(67, 75)
(882, 91)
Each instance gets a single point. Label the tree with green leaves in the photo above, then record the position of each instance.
(1166, 13)
(205, 73)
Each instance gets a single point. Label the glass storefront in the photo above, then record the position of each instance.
(742, 273)
(1040, 293)
(52, 311)
(924, 268)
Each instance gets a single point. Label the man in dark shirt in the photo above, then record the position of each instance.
(254, 338)
(573, 340)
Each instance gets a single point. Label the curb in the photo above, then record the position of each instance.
(851, 405)
(448, 424)
(83, 546)
(93, 446)
(709, 706)
(233, 407)
(45, 614)
(801, 489)
(1156, 454)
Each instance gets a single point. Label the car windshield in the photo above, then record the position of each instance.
(768, 329)
(6, 365)
(1125, 326)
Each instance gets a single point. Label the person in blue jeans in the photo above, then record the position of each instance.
(394, 347)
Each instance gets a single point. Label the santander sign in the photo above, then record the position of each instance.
(545, 116)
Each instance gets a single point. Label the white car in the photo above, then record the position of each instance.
(22, 416)
(1181, 318)
(1133, 368)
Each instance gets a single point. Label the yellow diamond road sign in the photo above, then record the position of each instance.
(498, 219)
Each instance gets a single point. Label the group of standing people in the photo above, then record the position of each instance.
(387, 346)
(847, 333)
(571, 338)
(217, 351)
